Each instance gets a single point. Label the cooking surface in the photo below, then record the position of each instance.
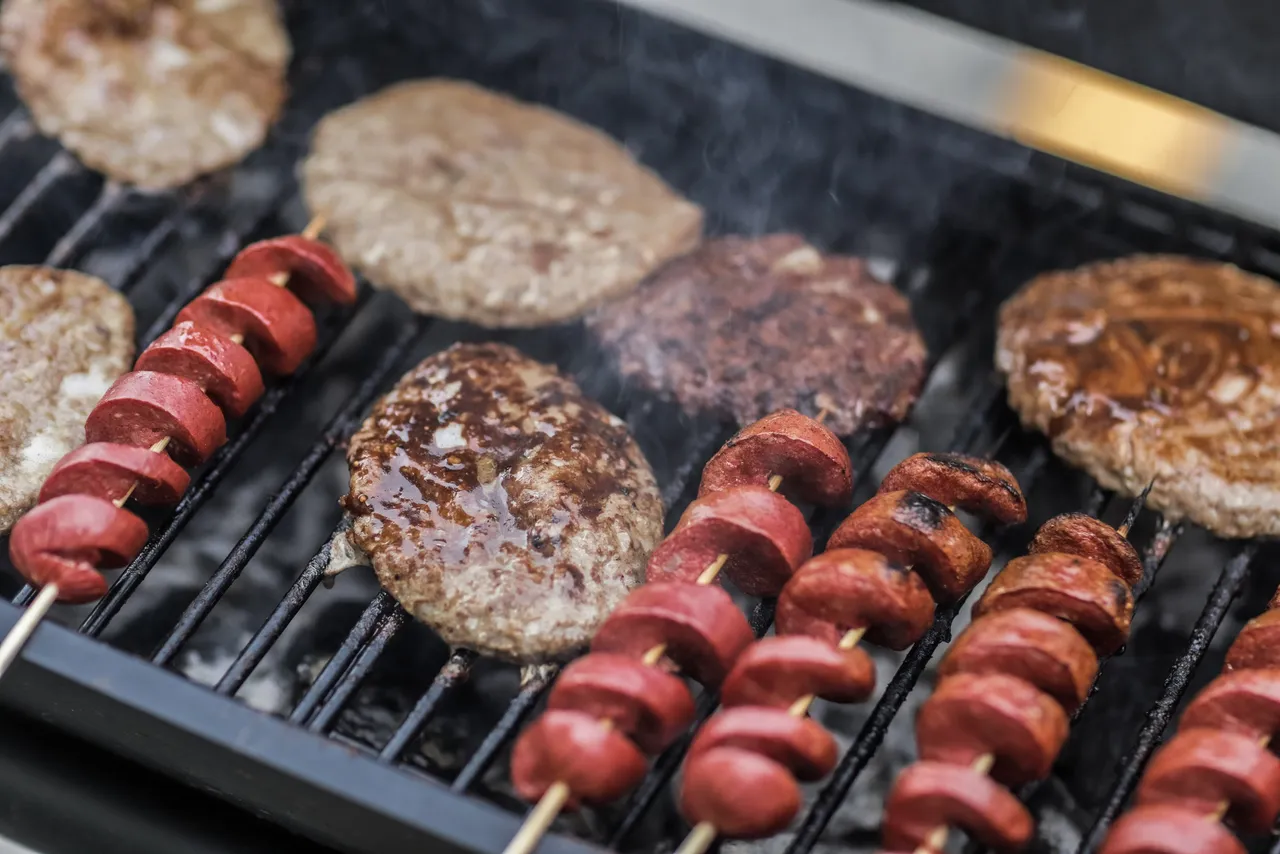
(955, 218)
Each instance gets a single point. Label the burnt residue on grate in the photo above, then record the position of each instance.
(229, 591)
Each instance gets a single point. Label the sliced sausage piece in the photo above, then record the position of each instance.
(1030, 645)
(1166, 829)
(275, 325)
(1199, 768)
(647, 704)
(703, 631)
(66, 539)
(109, 470)
(843, 589)
(983, 487)
(1246, 702)
(597, 763)
(812, 461)
(914, 530)
(1257, 645)
(745, 795)
(765, 536)
(973, 714)
(314, 270)
(143, 407)
(1076, 589)
(224, 369)
(929, 794)
(1084, 536)
(799, 744)
(778, 671)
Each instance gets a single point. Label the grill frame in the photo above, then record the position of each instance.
(293, 774)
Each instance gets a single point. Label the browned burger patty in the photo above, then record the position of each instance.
(742, 327)
(476, 207)
(501, 506)
(1156, 367)
(150, 92)
(64, 339)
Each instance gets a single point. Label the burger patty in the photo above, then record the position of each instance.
(499, 505)
(149, 92)
(476, 207)
(742, 327)
(1156, 368)
(64, 339)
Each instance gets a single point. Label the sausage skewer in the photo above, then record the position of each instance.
(1217, 766)
(1010, 681)
(871, 582)
(169, 410)
(557, 796)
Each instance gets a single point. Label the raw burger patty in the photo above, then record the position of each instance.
(150, 92)
(1156, 367)
(499, 505)
(64, 338)
(742, 327)
(475, 207)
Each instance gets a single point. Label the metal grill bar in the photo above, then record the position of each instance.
(1225, 590)
(506, 727)
(202, 489)
(341, 660)
(16, 125)
(342, 425)
(154, 241)
(257, 648)
(452, 674)
(87, 225)
(58, 167)
(351, 679)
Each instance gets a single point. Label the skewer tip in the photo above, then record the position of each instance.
(539, 820)
(699, 839)
(313, 229)
(26, 626)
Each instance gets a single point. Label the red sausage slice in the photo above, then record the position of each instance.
(597, 763)
(1076, 589)
(704, 632)
(1246, 702)
(1199, 768)
(315, 271)
(143, 407)
(276, 327)
(224, 369)
(812, 461)
(1084, 536)
(778, 671)
(970, 714)
(845, 589)
(1032, 646)
(745, 795)
(1257, 645)
(647, 704)
(108, 470)
(66, 539)
(765, 536)
(1163, 829)
(914, 530)
(984, 487)
(929, 794)
(800, 745)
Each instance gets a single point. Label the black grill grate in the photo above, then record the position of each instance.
(956, 258)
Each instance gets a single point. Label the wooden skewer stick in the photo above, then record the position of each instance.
(539, 820)
(22, 630)
(1221, 809)
(937, 838)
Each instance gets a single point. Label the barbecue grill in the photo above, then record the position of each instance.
(220, 657)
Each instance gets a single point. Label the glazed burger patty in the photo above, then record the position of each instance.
(476, 207)
(742, 327)
(499, 505)
(149, 92)
(1156, 368)
(64, 339)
